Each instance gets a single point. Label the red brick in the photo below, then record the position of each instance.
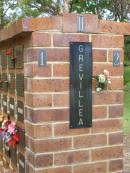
(107, 41)
(99, 112)
(99, 55)
(90, 141)
(111, 27)
(63, 40)
(40, 39)
(71, 157)
(61, 100)
(107, 98)
(38, 100)
(107, 153)
(38, 131)
(47, 85)
(115, 111)
(99, 68)
(53, 54)
(70, 22)
(42, 160)
(46, 115)
(61, 70)
(64, 130)
(53, 23)
(107, 126)
(91, 168)
(33, 70)
(110, 55)
(116, 84)
(115, 138)
(65, 169)
(116, 165)
(49, 145)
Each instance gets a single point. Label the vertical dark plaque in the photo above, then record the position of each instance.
(4, 82)
(3, 59)
(80, 84)
(11, 107)
(4, 104)
(13, 154)
(20, 110)
(22, 137)
(20, 84)
(11, 78)
(18, 55)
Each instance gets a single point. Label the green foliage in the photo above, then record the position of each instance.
(126, 108)
(94, 6)
(127, 48)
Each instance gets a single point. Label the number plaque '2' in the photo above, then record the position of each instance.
(80, 84)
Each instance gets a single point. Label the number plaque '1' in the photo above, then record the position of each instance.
(80, 84)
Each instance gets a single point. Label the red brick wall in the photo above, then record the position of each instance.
(51, 145)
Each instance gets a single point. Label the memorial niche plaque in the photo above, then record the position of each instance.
(11, 107)
(21, 163)
(5, 104)
(13, 154)
(4, 82)
(20, 111)
(18, 55)
(3, 59)
(20, 84)
(6, 150)
(12, 83)
(80, 84)
(22, 137)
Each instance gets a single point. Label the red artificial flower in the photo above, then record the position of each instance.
(1, 130)
(9, 52)
(12, 142)
(16, 136)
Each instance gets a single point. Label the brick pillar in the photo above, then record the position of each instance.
(51, 145)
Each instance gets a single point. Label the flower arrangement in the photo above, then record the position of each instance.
(9, 133)
(102, 80)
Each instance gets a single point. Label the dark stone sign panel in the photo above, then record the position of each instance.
(80, 84)
(20, 110)
(21, 163)
(20, 84)
(18, 55)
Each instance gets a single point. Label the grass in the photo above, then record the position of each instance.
(127, 100)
